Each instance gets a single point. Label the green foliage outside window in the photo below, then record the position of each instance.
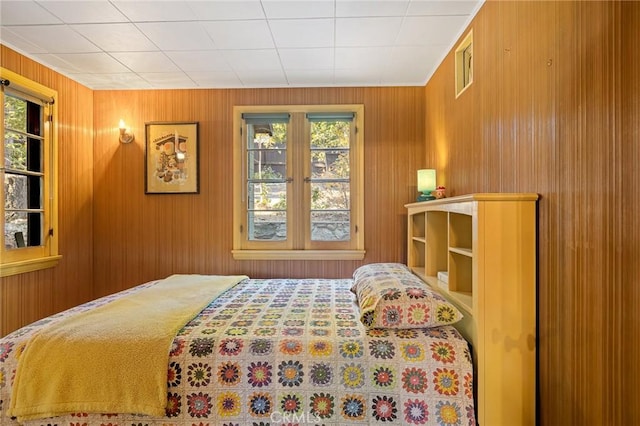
(15, 118)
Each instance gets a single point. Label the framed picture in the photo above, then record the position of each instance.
(171, 158)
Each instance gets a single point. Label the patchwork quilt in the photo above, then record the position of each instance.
(285, 351)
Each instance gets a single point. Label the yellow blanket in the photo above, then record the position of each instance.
(114, 358)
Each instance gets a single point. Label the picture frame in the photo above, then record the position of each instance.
(171, 158)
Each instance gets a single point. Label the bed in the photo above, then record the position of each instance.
(374, 349)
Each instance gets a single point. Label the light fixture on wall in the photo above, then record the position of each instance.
(426, 184)
(125, 136)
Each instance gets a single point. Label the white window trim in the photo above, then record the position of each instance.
(30, 259)
(239, 253)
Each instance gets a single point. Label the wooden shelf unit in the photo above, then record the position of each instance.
(487, 245)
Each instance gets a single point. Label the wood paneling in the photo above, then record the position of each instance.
(28, 297)
(141, 237)
(624, 299)
(554, 109)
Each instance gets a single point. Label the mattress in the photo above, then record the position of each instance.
(289, 351)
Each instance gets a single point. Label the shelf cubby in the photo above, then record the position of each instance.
(486, 245)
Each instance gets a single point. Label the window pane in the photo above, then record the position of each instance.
(15, 151)
(16, 191)
(22, 192)
(34, 155)
(330, 186)
(34, 190)
(22, 229)
(266, 180)
(330, 164)
(267, 226)
(267, 196)
(330, 134)
(330, 226)
(267, 164)
(267, 135)
(330, 196)
(267, 150)
(15, 113)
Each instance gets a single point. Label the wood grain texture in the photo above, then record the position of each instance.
(141, 237)
(553, 109)
(624, 299)
(28, 297)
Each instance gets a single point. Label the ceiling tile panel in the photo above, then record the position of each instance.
(271, 78)
(108, 81)
(169, 80)
(256, 61)
(215, 78)
(25, 13)
(412, 63)
(95, 11)
(55, 39)
(278, 9)
(362, 57)
(93, 62)
(449, 7)
(365, 8)
(128, 44)
(359, 32)
(227, 10)
(303, 32)
(116, 37)
(205, 60)
(352, 77)
(310, 78)
(155, 11)
(56, 62)
(430, 30)
(177, 35)
(307, 59)
(146, 61)
(239, 34)
(10, 38)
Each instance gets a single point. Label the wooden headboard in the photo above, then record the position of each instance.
(483, 246)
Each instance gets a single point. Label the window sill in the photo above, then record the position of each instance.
(298, 254)
(21, 267)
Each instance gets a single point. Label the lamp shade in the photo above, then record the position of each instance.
(426, 180)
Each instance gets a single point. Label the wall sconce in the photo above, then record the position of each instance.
(426, 184)
(125, 137)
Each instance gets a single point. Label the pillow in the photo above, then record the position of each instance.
(390, 296)
(379, 269)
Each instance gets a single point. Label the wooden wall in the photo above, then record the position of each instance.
(113, 236)
(28, 297)
(554, 109)
(140, 237)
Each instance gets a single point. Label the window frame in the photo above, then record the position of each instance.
(464, 64)
(299, 245)
(28, 259)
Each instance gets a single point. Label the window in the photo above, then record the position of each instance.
(464, 64)
(298, 186)
(28, 192)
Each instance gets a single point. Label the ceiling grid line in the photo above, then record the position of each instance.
(172, 44)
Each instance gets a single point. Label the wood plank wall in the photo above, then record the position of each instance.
(28, 297)
(141, 237)
(554, 109)
(107, 220)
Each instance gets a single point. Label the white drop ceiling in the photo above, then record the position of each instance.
(109, 44)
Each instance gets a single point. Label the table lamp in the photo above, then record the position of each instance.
(426, 184)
